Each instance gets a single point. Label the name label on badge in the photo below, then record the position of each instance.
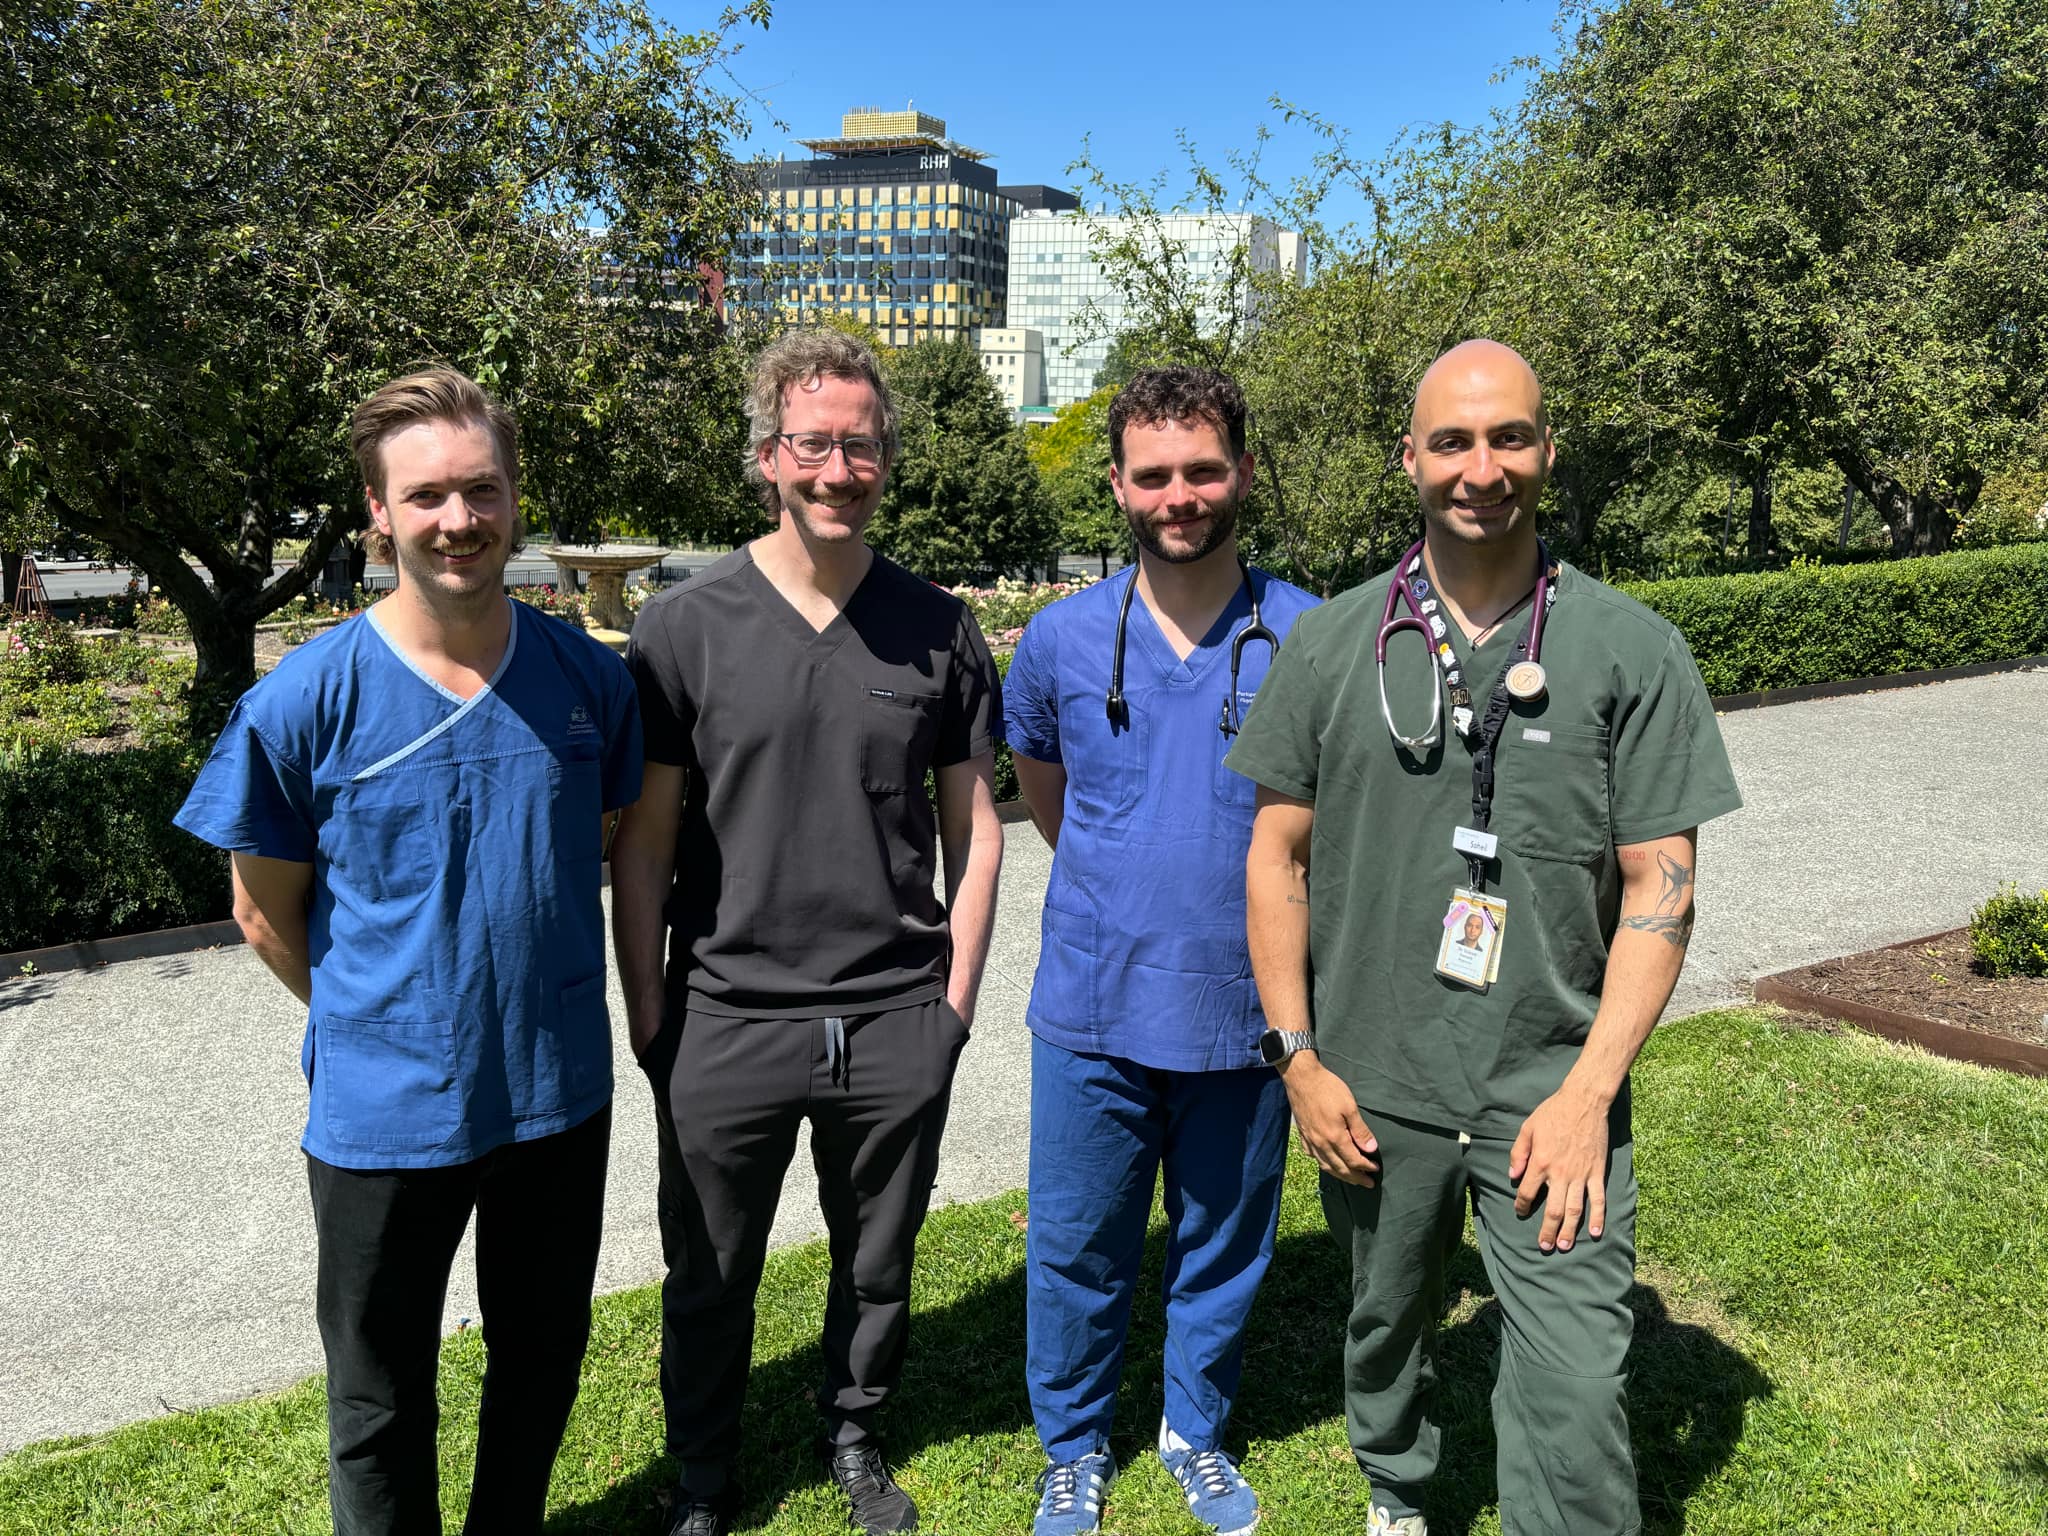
(1481, 845)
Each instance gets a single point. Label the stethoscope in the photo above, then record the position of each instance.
(1120, 710)
(1524, 680)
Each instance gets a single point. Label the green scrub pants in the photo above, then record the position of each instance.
(1559, 1410)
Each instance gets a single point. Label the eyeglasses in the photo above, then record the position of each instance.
(812, 449)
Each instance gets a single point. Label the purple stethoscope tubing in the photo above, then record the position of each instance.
(1390, 624)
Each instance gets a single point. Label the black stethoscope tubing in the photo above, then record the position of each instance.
(1118, 707)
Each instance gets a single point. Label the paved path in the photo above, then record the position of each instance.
(155, 1244)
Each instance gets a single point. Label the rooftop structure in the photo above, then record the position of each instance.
(893, 224)
(872, 131)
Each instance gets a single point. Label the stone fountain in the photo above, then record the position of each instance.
(607, 566)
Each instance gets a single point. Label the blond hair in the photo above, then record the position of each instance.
(429, 392)
(798, 357)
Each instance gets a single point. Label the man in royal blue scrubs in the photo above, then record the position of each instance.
(1145, 1052)
(415, 803)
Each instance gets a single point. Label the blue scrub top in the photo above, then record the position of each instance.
(456, 928)
(1143, 952)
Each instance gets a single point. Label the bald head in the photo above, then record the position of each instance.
(1478, 446)
(1475, 368)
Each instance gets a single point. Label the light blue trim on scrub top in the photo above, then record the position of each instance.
(463, 706)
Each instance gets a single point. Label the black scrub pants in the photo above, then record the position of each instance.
(729, 1094)
(387, 1242)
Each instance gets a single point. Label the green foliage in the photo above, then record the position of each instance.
(1818, 624)
(1004, 609)
(42, 651)
(161, 616)
(228, 221)
(1073, 463)
(92, 850)
(964, 502)
(55, 715)
(2009, 934)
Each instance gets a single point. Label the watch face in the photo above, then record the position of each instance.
(1272, 1049)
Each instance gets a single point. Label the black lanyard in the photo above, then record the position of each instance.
(1484, 736)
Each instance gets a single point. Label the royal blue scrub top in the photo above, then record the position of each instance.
(1142, 952)
(456, 928)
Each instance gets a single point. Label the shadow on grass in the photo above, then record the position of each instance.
(1689, 1392)
(965, 1377)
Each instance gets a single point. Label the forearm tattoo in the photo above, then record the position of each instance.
(1673, 915)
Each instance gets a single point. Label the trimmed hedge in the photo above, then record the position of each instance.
(1824, 624)
(94, 853)
(91, 849)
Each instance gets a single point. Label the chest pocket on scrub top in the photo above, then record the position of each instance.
(393, 836)
(1550, 795)
(898, 732)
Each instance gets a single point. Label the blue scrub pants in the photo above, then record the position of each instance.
(1102, 1128)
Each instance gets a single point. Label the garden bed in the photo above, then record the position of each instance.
(1926, 993)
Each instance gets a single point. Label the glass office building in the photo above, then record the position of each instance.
(1059, 288)
(893, 224)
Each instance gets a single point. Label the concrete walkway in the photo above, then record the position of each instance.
(156, 1249)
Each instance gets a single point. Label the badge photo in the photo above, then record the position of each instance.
(1469, 953)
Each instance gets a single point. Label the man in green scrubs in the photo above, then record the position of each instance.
(1417, 1083)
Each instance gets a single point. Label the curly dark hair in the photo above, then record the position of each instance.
(1156, 395)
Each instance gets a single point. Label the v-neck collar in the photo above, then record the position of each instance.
(1493, 650)
(822, 641)
(412, 666)
(1177, 671)
(464, 708)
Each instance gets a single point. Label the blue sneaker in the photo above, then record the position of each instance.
(1217, 1493)
(1070, 1495)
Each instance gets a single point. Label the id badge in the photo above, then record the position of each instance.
(1474, 927)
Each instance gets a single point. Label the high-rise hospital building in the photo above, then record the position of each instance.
(896, 225)
(893, 223)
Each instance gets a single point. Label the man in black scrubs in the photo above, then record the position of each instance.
(794, 695)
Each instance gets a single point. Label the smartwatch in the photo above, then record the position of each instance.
(1276, 1045)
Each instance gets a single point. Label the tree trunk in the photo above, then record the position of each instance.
(1934, 525)
(10, 575)
(227, 666)
(1762, 536)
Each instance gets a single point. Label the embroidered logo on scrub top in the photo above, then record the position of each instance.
(579, 721)
(881, 693)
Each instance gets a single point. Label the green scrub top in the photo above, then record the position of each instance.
(1623, 748)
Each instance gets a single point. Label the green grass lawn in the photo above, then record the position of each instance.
(1841, 1316)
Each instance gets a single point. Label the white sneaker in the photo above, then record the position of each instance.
(1380, 1523)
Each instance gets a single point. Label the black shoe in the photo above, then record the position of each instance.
(702, 1514)
(879, 1506)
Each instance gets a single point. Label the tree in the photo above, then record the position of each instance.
(964, 501)
(1821, 227)
(223, 222)
(1073, 462)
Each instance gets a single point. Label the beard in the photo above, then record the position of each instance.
(1222, 523)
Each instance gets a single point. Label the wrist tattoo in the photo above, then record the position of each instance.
(1296, 901)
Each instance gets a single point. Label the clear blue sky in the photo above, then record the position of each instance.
(1026, 82)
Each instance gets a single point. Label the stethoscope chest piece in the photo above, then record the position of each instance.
(1526, 681)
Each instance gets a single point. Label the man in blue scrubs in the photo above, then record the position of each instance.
(415, 803)
(1145, 1059)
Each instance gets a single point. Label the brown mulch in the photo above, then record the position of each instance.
(1932, 979)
